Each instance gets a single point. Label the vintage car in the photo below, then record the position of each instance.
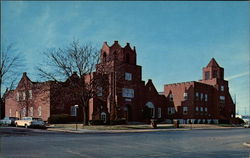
(247, 125)
(8, 121)
(30, 122)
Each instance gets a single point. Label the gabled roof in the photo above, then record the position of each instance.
(24, 80)
(150, 86)
(213, 63)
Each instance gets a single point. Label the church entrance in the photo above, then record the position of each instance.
(128, 112)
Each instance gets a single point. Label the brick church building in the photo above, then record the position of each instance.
(127, 97)
(204, 101)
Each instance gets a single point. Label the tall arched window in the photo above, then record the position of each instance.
(151, 106)
(39, 111)
(31, 111)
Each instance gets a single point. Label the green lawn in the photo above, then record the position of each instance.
(109, 127)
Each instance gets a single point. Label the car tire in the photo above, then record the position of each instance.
(26, 126)
(16, 125)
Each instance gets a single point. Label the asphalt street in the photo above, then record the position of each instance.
(205, 143)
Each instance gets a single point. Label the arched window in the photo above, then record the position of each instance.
(104, 117)
(104, 58)
(31, 111)
(24, 112)
(127, 58)
(151, 106)
(39, 111)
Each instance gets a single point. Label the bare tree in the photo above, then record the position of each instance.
(61, 63)
(11, 63)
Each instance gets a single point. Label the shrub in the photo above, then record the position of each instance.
(206, 121)
(61, 118)
(118, 122)
(212, 122)
(96, 122)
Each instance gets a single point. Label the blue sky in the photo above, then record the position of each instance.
(174, 40)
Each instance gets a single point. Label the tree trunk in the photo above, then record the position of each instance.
(85, 114)
(85, 122)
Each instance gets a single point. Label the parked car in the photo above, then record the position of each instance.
(9, 121)
(247, 125)
(30, 122)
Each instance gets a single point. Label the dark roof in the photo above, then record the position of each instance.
(213, 63)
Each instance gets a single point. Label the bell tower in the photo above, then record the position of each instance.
(116, 53)
(213, 70)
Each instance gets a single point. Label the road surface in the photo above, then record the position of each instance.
(207, 143)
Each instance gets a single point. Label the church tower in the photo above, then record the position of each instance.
(213, 70)
(213, 75)
(119, 63)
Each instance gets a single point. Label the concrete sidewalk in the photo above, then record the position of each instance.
(160, 129)
(87, 131)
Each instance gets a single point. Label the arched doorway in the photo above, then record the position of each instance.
(151, 109)
(128, 112)
(104, 117)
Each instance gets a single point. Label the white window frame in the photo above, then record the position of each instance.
(17, 96)
(205, 109)
(39, 110)
(30, 94)
(222, 88)
(127, 93)
(72, 111)
(159, 112)
(128, 76)
(201, 108)
(201, 96)
(171, 97)
(152, 112)
(104, 117)
(31, 111)
(24, 111)
(172, 110)
(99, 91)
(185, 110)
(24, 95)
(185, 96)
(197, 108)
(222, 99)
(206, 97)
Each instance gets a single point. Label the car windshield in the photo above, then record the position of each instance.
(38, 119)
(27, 118)
(13, 118)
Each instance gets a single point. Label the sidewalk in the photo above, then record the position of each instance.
(134, 128)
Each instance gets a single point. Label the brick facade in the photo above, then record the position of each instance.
(126, 96)
(203, 101)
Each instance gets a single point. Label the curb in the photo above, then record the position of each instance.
(127, 131)
(116, 131)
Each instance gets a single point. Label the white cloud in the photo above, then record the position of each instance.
(238, 75)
